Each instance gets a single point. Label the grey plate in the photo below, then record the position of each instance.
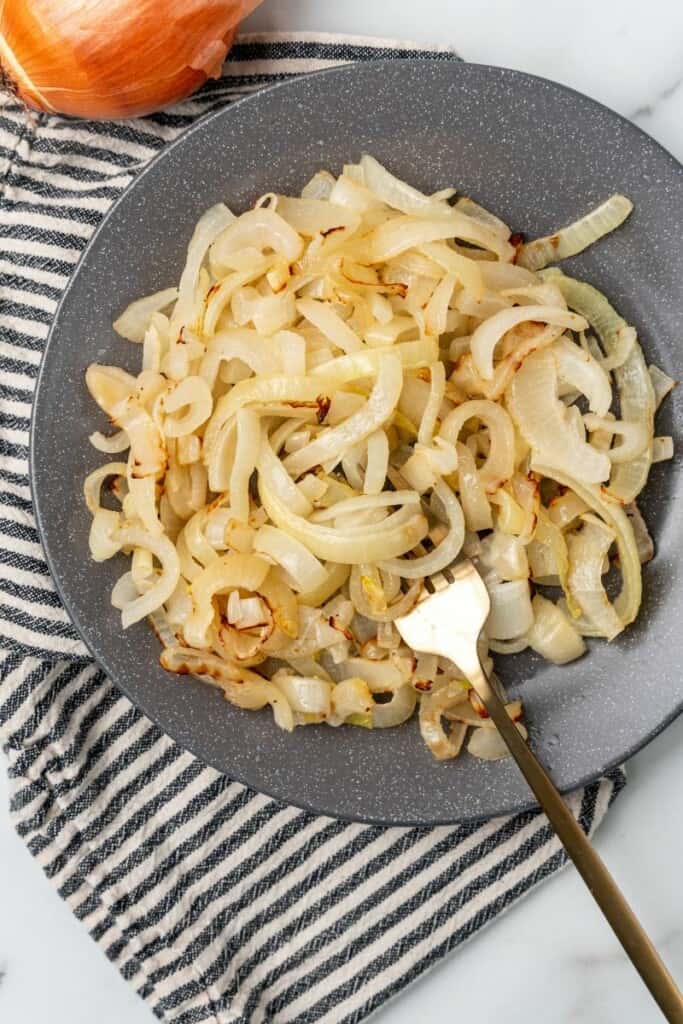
(538, 155)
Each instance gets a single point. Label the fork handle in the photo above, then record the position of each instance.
(588, 863)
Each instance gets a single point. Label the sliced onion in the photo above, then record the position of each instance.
(583, 372)
(241, 687)
(634, 384)
(587, 551)
(134, 321)
(499, 465)
(92, 484)
(377, 462)
(312, 216)
(112, 445)
(475, 505)
(386, 541)
(163, 550)
(398, 194)
(542, 419)
(432, 708)
(333, 442)
(301, 566)
(224, 574)
(445, 552)
(109, 385)
(403, 232)
(363, 502)
(636, 436)
(147, 447)
(323, 316)
(336, 576)
(576, 236)
(192, 396)
(627, 603)
(662, 384)
(504, 556)
(209, 227)
(511, 615)
(552, 635)
(241, 343)
(487, 336)
(305, 695)
(662, 449)
(257, 229)
(247, 451)
(489, 745)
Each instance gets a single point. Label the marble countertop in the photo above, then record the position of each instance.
(629, 56)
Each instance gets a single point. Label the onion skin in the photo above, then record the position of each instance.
(114, 58)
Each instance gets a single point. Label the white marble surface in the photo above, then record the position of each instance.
(550, 959)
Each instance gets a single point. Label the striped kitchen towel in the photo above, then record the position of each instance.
(217, 903)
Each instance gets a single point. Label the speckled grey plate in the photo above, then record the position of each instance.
(537, 154)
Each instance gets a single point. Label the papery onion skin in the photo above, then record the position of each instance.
(124, 58)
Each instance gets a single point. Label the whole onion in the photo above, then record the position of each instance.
(114, 58)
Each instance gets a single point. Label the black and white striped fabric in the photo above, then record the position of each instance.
(218, 904)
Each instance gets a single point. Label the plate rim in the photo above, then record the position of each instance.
(457, 66)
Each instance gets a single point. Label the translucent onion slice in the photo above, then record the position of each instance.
(322, 382)
(583, 372)
(389, 609)
(209, 227)
(109, 385)
(363, 502)
(306, 695)
(488, 334)
(443, 745)
(398, 194)
(445, 552)
(241, 687)
(488, 745)
(164, 551)
(385, 541)
(103, 540)
(312, 216)
(147, 446)
(475, 504)
(576, 236)
(662, 384)
(542, 419)
(143, 497)
(323, 316)
(92, 485)
(511, 615)
(192, 397)
(636, 437)
(135, 319)
(112, 445)
(333, 442)
(241, 343)
(303, 568)
(257, 229)
(335, 577)
(552, 635)
(500, 462)
(403, 232)
(627, 603)
(377, 462)
(226, 573)
(504, 556)
(587, 551)
(634, 384)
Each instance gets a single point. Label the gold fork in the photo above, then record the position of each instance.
(448, 621)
